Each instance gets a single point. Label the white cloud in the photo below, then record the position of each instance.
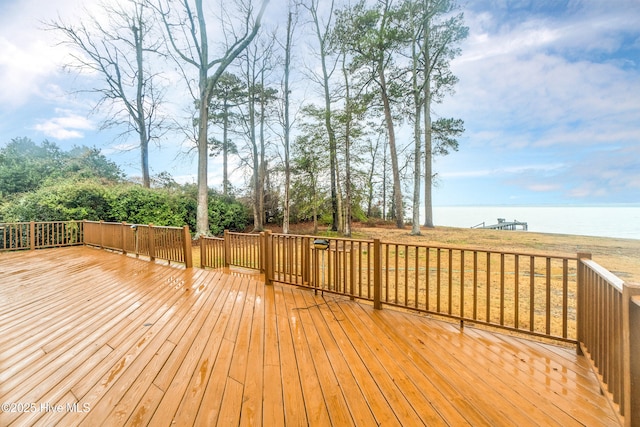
(23, 69)
(29, 55)
(544, 188)
(67, 125)
(531, 84)
(502, 171)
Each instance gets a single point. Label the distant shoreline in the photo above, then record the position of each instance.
(598, 221)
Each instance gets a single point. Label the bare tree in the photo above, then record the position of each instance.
(322, 32)
(373, 36)
(228, 96)
(187, 35)
(257, 66)
(286, 116)
(131, 93)
(442, 31)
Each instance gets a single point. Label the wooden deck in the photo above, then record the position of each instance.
(92, 338)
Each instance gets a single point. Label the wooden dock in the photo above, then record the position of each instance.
(503, 224)
(90, 338)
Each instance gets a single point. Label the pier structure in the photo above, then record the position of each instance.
(504, 225)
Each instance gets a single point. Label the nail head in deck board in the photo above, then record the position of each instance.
(386, 345)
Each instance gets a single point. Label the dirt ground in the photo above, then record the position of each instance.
(620, 256)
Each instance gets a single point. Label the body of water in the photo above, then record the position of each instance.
(604, 221)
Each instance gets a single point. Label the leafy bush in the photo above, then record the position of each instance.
(26, 166)
(91, 199)
(62, 201)
(226, 214)
(141, 205)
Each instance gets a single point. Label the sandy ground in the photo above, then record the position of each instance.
(620, 256)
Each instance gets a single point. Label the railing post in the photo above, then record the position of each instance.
(631, 353)
(101, 234)
(152, 243)
(32, 235)
(580, 304)
(124, 237)
(203, 251)
(188, 250)
(263, 251)
(306, 260)
(377, 274)
(227, 249)
(268, 268)
(316, 270)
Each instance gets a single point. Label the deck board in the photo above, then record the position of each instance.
(141, 343)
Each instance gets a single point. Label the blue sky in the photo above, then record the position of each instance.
(549, 91)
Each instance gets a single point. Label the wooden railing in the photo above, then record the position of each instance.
(243, 250)
(39, 235)
(342, 266)
(234, 249)
(566, 298)
(631, 343)
(530, 293)
(609, 335)
(168, 243)
(212, 252)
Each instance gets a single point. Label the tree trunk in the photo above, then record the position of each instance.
(384, 180)
(322, 40)
(199, 44)
(347, 148)
(287, 127)
(255, 179)
(428, 148)
(428, 171)
(417, 140)
(225, 149)
(263, 166)
(339, 202)
(332, 151)
(202, 212)
(315, 205)
(140, 109)
(415, 226)
(397, 190)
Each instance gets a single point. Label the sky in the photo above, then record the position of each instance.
(549, 91)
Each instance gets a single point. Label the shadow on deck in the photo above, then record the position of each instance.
(89, 337)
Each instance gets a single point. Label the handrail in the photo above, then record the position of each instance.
(242, 250)
(516, 291)
(519, 291)
(463, 283)
(39, 235)
(604, 274)
(512, 290)
(168, 243)
(609, 336)
(212, 252)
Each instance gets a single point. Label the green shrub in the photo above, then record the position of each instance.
(226, 214)
(92, 200)
(139, 205)
(62, 201)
